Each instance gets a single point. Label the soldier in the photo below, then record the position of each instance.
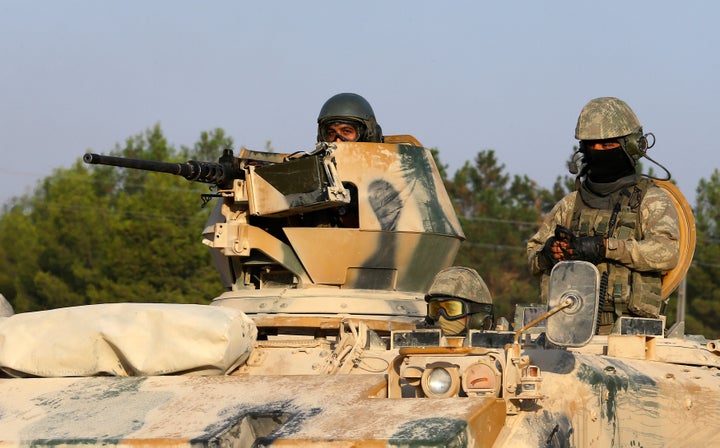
(345, 117)
(348, 117)
(458, 300)
(617, 219)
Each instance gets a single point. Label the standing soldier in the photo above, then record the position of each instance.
(618, 219)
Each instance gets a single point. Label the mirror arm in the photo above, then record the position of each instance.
(567, 302)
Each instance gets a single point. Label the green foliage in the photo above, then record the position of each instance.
(102, 234)
(703, 279)
(209, 147)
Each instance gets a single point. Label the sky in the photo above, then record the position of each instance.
(461, 76)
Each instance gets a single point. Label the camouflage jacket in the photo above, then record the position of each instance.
(657, 251)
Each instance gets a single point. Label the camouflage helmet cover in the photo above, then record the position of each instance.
(604, 118)
(461, 282)
(351, 107)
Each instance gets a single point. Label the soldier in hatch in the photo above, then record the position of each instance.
(348, 117)
(459, 300)
(617, 219)
(345, 117)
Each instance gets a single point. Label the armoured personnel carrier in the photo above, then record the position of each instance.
(317, 341)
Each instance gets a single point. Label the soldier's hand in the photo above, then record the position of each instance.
(555, 250)
(588, 248)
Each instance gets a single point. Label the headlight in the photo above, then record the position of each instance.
(440, 380)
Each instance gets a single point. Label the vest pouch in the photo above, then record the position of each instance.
(625, 228)
(646, 296)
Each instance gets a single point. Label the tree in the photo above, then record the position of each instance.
(703, 278)
(102, 234)
(209, 147)
(18, 239)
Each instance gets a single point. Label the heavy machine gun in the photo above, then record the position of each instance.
(305, 181)
(221, 174)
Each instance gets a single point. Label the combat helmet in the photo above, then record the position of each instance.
(611, 118)
(458, 282)
(352, 108)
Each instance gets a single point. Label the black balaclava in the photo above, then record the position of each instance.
(608, 165)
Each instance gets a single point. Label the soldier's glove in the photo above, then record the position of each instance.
(557, 247)
(588, 248)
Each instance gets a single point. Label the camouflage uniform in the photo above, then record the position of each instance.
(639, 223)
(656, 251)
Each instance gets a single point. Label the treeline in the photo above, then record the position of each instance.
(100, 234)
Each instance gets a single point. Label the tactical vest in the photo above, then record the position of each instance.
(622, 291)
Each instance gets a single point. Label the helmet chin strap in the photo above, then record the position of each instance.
(631, 159)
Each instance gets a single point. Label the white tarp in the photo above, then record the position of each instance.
(126, 339)
(6, 310)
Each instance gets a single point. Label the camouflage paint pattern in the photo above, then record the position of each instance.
(406, 229)
(232, 411)
(607, 117)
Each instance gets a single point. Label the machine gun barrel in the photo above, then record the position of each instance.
(220, 174)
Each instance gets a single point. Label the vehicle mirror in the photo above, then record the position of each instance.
(574, 325)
